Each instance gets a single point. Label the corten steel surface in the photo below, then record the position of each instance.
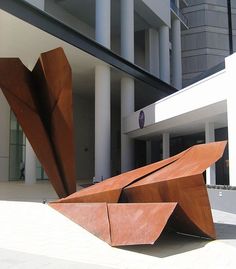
(53, 74)
(109, 190)
(42, 103)
(135, 223)
(91, 216)
(120, 224)
(170, 191)
(182, 182)
(193, 203)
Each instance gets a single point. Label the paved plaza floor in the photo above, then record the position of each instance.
(33, 235)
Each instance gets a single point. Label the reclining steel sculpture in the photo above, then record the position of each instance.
(134, 207)
(128, 209)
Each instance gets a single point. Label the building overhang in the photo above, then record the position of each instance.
(184, 112)
(51, 25)
(156, 13)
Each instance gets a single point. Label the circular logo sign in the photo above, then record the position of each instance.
(141, 119)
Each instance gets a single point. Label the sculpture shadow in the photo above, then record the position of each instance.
(225, 231)
(169, 244)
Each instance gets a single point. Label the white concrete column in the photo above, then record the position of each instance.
(148, 151)
(103, 22)
(102, 122)
(210, 137)
(4, 137)
(103, 95)
(176, 53)
(164, 53)
(127, 83)
(230, 65)
(127, 107)
(231, 105)
(165, 145)
(30, 164)
(127, 29)
(152, 51)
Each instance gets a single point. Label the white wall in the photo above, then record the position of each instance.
(27, 48)
(231, 65)
(84, 136)
(67, 18)
(4, 137)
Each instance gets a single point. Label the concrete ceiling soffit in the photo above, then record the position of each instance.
(155, 13)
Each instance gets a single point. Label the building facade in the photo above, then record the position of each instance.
(146, 36)
(210, 38)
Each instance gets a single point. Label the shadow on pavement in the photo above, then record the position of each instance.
(225, 231)
(169, 244)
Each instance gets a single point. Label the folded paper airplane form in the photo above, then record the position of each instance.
(128, 209)
(134, 207)
(41, 100)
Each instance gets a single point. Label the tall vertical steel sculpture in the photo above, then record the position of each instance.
(131, 208)
(41, 99)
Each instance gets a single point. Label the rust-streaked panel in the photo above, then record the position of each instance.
(182, 182)
(53, 75)
(137, 224)
(17, 86)
(177, 180)
(194, 161)
(42, 103)
(92, 216)
(191, 195)
(120, 224)
(109, 190)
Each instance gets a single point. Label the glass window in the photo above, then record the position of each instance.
(17, 149)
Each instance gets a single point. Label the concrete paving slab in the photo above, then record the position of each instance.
(33, 235)
(41, 191)
(21, 260)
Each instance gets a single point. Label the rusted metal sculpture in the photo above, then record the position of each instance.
(42, 103)
(134, 207)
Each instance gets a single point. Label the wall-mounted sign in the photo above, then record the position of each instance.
(141, 119)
